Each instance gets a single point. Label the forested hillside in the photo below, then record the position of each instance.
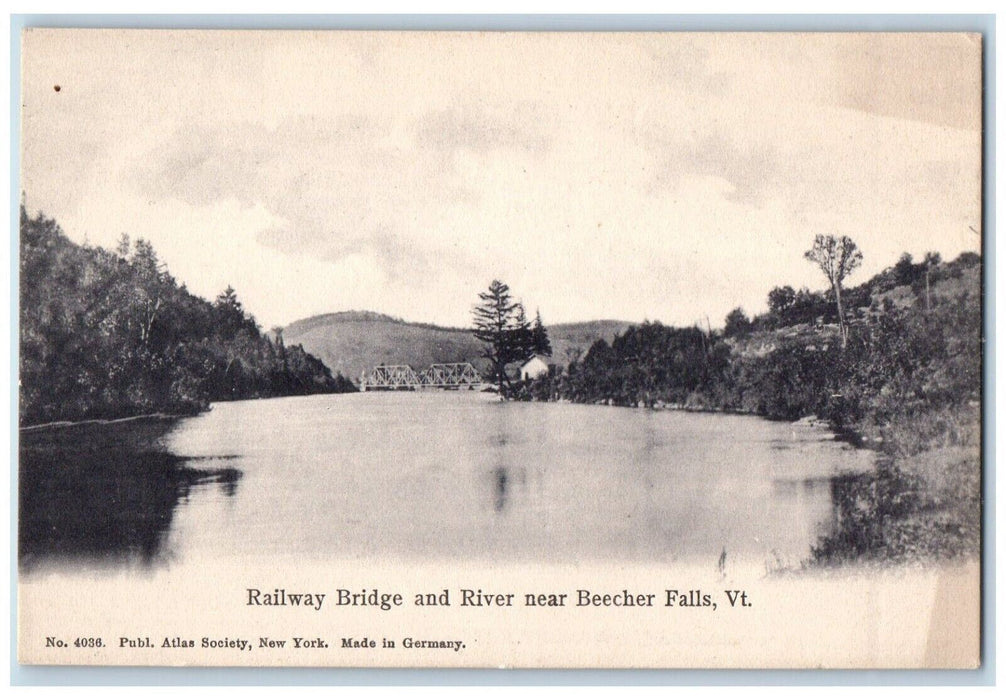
(109, 334)
(910, 342)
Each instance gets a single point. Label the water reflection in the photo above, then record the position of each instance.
(500, 477)
(810, 502)
(425, 476)
(107, 493)
(504, 479)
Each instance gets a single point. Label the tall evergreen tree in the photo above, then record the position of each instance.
(494, 320)
(521, 337)
(539, 337)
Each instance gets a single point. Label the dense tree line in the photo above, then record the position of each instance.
(110, 333)
(897, 359)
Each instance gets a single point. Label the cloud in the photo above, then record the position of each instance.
(623, 175)
(339, 187)
(751, 169)
(478, 130)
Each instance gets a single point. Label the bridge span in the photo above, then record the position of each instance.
(456, 375)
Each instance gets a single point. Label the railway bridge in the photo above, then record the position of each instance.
(456, 375)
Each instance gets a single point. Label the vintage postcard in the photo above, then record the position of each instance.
(500, 349)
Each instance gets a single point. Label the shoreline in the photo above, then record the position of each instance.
(841, 434)
(66, 424)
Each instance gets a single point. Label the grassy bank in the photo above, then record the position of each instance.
(922, 503)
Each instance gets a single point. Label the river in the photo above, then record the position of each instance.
(430, 476)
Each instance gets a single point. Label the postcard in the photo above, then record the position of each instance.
(500, 349)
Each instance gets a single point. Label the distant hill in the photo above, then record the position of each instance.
(353, 342)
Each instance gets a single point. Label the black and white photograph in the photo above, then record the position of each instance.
(500, 349)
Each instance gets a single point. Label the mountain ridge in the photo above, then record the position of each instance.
(354, 342)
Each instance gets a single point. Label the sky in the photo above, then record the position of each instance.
(631, 176)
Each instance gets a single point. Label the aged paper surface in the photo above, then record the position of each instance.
(765, 478)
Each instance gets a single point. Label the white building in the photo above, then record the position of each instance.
(533, 368)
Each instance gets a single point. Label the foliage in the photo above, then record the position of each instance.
(789, 308)
(501, 325)
(540, 343)
(781, 300)
(897, 363)
(493, 323)
(647, 365)
(737, 323)
(108, 334)
(910, 509)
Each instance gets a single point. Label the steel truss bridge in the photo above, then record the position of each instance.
(457, 375)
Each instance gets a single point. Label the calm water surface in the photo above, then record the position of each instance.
(416, 476)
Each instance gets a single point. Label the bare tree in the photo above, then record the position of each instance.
(837, 258)
(931, 260)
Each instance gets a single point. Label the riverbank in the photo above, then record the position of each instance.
(923, 501)
(104, 490)
(134, 433)
(102, 421)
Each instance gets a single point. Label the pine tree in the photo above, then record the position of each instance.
(229, 312)
(539, 337)
(521, 337)
(493, 322)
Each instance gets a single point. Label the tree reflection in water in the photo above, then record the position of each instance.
(103, 492)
